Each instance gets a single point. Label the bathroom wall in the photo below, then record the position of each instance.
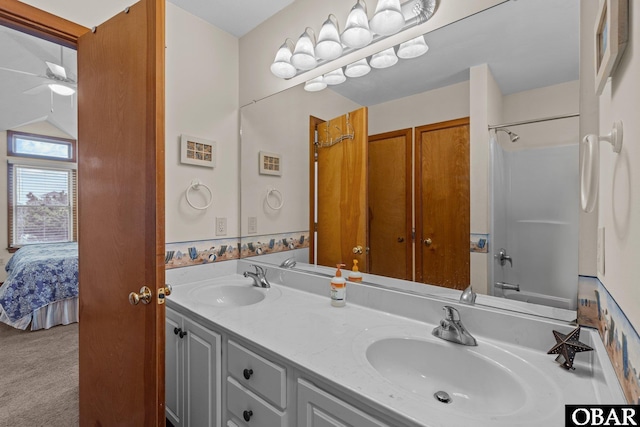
(40, 128)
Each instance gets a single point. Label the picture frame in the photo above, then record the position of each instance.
(611, 33)
(270, 163)
(197, 151)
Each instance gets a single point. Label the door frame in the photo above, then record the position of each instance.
(313, 127)
(418, 184)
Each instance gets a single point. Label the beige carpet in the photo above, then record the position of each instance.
(39, 377)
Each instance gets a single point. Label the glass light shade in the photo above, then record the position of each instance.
(335, 77)
(282, 66)
(358, 68)
(304, 56)
(384, 59)
(61, 89)
(388, 18)
(413, 48)
(329, 45)
(356, 32)
(315, 85)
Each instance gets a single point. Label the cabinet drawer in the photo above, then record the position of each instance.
(242, 402)
(264, 377)
(318, 408)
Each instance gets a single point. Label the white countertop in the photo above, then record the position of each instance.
(305, 330)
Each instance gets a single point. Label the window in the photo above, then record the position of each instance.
(42, 189)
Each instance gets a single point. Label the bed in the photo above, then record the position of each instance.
(41, 288)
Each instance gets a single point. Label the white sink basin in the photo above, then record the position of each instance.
(485, 382)
(227, 296)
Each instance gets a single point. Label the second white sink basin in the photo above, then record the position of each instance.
(227, 296)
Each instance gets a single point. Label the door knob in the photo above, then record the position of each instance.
(427, 242)
(144, 296)
(357, 250)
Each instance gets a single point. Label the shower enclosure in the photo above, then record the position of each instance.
(534, 218)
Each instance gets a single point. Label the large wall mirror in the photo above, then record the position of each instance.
(391, 170)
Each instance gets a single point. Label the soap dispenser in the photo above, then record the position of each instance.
(355, 275)
(338, 288)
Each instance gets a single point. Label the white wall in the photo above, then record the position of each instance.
(619, 192)
(40, 128)
(202, 101)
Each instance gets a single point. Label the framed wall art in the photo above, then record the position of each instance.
(610, 36)
(270, 164)
(197, 151)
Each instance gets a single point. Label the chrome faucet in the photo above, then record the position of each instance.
(259, 277)
(451, 328)
(468, 296)
(288, 263)
(507, 286)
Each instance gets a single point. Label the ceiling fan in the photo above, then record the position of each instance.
(55, 78)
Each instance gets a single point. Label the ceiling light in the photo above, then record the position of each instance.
(304, 56)
(329, 45)
(413, 48)
(384, 59)
(356, 32)
(388, 18)
(358, 68)
(282, 66)
(335, 77)
(315, 85)
(61, 89)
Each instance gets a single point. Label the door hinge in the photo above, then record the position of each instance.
(315, 227)
(413, 234)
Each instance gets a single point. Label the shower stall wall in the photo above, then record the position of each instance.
(535, 208)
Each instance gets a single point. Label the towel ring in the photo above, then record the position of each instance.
(195, 185)
(277, 194)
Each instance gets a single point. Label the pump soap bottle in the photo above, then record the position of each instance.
(338, 289)
(355, 275)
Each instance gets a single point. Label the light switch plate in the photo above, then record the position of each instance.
(600, 251)
(253, 225)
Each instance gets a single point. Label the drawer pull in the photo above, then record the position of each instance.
(177, 331)
(247, 373)
(247, 415)
(183, 334)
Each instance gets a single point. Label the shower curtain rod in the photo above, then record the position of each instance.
(543, 119)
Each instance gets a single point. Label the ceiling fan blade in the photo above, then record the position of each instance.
(36, 90)
(57, 70)
(19, 72)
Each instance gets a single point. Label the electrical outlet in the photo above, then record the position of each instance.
(253, 225)
(221, 226)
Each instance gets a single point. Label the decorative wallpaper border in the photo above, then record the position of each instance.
(597, 309)
(186, 254)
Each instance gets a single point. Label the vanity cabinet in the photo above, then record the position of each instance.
(317, 408)
(193, 373)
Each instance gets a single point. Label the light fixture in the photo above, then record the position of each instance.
(388, 18)
(335, 77)
(356, 32)
(61, 89)
(282, 66)
(384, 59)
(358, 68)
(304, 55)
(413, 48)
(329, 45)
(315, 85)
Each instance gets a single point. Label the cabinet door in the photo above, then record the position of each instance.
(173, 368)
(202, 376)
(317, 408)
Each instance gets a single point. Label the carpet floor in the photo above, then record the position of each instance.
(39, 377)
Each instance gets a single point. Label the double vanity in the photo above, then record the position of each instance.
(245, 355)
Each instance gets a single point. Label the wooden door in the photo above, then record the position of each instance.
(442, 203)
(389, 194)
(342, 189)
(121, 217)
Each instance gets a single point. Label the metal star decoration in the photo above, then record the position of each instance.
(567, 346)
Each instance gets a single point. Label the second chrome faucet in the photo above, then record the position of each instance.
(259, 277)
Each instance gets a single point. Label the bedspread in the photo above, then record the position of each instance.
(37, 276)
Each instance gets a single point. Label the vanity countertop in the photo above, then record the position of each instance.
(305, 330)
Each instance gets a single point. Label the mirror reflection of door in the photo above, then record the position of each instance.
(389, 194)
(341, 189)
(443, 204)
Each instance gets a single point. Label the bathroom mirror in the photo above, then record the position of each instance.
(530, 53)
